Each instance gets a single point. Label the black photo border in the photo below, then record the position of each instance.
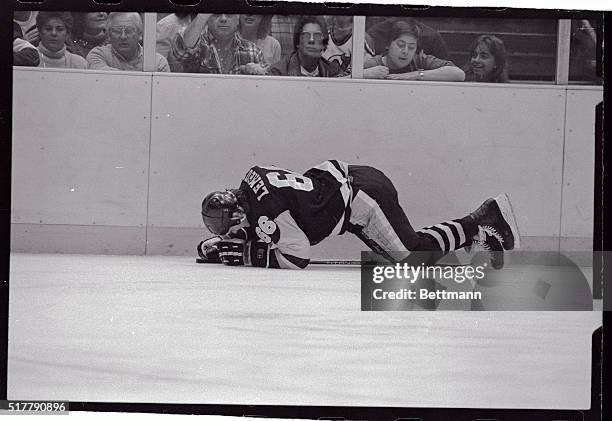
(602, 231)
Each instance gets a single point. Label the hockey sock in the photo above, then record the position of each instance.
(451, 235)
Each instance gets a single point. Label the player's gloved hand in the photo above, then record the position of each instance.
(209, 249)
(231, 252)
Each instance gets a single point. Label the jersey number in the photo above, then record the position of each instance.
(265, 229)
(290, 179)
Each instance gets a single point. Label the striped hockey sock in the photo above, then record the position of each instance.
(451, 235)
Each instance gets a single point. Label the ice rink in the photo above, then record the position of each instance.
(165, 329)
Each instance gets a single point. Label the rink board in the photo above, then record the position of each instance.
(139, 151)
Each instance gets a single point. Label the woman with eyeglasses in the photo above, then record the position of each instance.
(404, 60)
(310, 38)
(54, 29)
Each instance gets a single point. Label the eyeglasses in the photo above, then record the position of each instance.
(119, 30)
(307, 36)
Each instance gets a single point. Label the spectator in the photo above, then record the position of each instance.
(431, 42)
(211, 44)
(27, 22)
(404, 60)
(282, 29)
(310, 39)
(89, 31)
(124, 51)
(255, 28)
(488, 61)
(54, 29)
(24, 53)
(166, 30)
(340, 45)
(583, 52)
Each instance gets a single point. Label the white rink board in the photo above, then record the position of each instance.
(579, 157)
(446, 147)
(82, 141)
(80, 147)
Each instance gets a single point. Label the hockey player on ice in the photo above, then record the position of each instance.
(275, 215)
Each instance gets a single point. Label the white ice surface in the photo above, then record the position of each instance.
(164, 329)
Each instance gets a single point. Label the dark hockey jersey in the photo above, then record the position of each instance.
(293, 211)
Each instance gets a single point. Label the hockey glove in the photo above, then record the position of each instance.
(262, 255)
(231, 252)
(208, 249)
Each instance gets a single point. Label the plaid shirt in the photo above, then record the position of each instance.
(204, 57)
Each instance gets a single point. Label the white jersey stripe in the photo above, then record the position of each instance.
(292, 239)
(367, 213)
(341, 176)
(338, 226)
(345, 187)
(330, 168)
(282, 261)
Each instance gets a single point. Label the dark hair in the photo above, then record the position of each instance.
(78, 26)
(303, 21)
(405, 26)
(43, 17)
(264, 28)
(498, 50)
(265, 25)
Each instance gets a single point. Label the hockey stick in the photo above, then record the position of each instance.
(359, 263)
(336, 262)
(312, 262)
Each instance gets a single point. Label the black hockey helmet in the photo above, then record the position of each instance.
(219, 211)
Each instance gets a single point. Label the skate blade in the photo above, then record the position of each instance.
(503, 202)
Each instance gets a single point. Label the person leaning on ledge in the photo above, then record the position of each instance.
(124, 51)
(404, 61)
